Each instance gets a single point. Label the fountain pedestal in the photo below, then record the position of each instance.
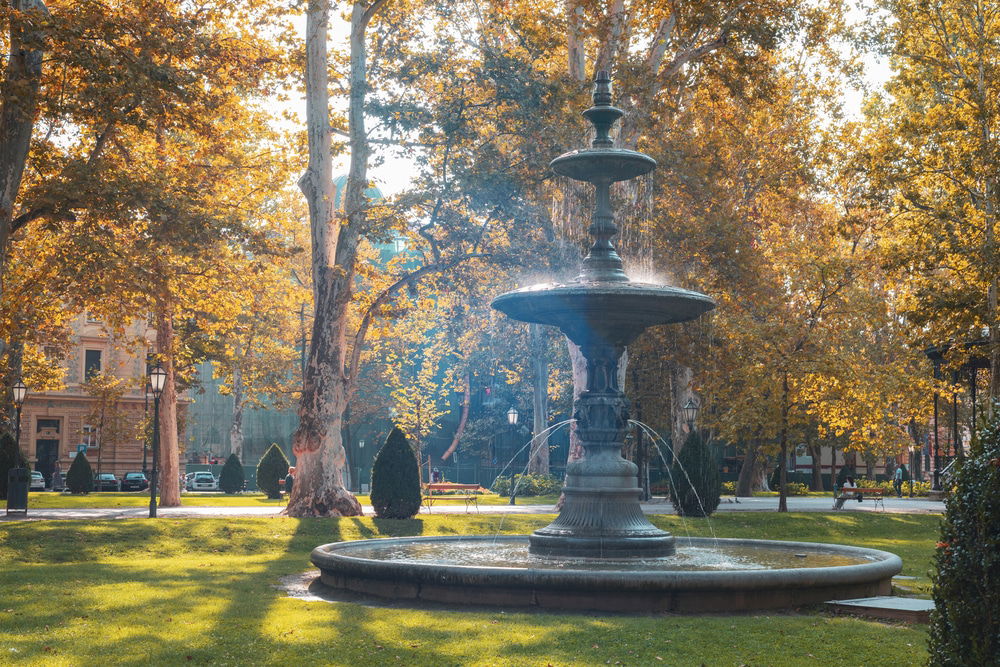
(602, 311)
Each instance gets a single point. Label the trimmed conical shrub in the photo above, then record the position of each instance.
(232, 479)
(80, 478)
(395, 479)
(702, 471)
(965, 621)
(273, 467)
(10, 457)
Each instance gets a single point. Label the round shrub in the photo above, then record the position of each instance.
(80, 477)
(703, 472)
(10, 457)
(395, 479)
(797, 489)
(273, 466)
(965, 622)
(232, 479)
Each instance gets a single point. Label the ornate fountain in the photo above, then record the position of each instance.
(602, 312)
(601, 552)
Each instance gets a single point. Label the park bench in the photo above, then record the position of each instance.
(876, 495)
(447, 490)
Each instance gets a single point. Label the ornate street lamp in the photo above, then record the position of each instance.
(20, 391)
(512, 420)
(690, 411)
(157, 380)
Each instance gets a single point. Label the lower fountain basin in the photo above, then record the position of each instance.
(705, 575)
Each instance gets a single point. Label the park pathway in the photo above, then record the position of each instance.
(658, 506)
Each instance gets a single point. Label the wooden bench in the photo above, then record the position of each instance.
(446, 490)
(876, 495)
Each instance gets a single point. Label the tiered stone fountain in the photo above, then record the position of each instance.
(601, 552)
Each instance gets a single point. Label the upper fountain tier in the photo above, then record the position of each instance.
(603, 162)
(602, 306)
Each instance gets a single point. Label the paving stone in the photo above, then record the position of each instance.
(912, 610)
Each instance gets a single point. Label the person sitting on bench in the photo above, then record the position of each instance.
(845, 491)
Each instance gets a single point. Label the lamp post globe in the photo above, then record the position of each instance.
(157, 381)
(512, 416)
(690, 411)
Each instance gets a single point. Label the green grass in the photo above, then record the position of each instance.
(200, 591)
(48, 500)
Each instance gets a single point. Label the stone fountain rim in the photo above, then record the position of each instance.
(881, 565)
(607, 288)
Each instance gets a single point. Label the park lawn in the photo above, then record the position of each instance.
(48, 500)
(199, 591)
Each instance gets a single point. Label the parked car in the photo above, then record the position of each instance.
(134, 481)
(204, 481)
(37, 481)
(106, 482)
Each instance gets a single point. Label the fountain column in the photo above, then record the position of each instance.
(602, 311)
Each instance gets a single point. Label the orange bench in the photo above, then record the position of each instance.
(446, 490)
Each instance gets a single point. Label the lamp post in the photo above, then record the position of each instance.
(19, 391)
(361, 451)
(690, 412)
(145, 436)
(157, 379)
(512, 421)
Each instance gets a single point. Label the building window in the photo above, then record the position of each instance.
(89, 436)
(91, 363)
(92, 319)
(398, 244)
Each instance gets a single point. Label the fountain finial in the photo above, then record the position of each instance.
(602, 89)
(602, 115)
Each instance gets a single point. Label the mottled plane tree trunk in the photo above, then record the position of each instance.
(328, 380)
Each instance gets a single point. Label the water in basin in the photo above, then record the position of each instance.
(514, 555)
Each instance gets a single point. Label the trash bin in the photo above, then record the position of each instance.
(18, 480)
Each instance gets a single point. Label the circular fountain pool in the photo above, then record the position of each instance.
(704, 575)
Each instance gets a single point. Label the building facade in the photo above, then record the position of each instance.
(56, 425)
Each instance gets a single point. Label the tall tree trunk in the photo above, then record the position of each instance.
(317, 443)
(783, 463)
(236, 424)
(833, 467)
(538, 462)
(816, 453)
(576, 55)
(18, 107)
(170, 492)
(462, 420)
(744, 485)
(680, 393)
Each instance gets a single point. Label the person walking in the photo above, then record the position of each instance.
(897, 481)
(290, 480)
